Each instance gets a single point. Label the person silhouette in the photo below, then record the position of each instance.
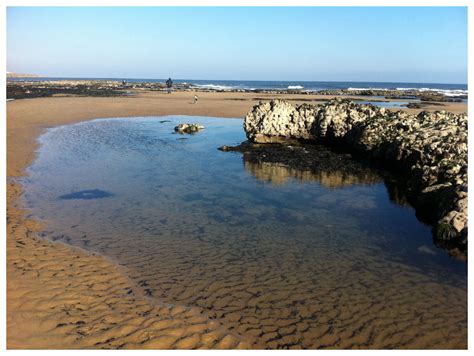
(169, 85)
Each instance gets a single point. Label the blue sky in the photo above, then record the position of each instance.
(399, 44)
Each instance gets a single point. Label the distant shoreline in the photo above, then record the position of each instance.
(449, 89)
(22, 88)
(19, 75)
(181, 80)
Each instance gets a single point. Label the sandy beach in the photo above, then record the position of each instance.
(64, 297)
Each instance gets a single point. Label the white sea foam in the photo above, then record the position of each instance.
(215, 86)
(447, 92)
(354, 89)
(295, 87)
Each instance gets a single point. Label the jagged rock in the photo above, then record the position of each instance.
(431, 147)
(188, 128)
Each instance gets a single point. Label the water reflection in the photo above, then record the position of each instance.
(290, 165)
(279, 174)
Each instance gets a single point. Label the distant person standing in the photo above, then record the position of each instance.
(195, 98)
(169, 85)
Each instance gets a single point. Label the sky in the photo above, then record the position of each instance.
(394, 44)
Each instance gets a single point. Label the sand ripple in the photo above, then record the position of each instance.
(222, 260)
(66, 298)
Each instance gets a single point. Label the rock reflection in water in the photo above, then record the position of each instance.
(278, 174)
(278, 164)
(281, 164)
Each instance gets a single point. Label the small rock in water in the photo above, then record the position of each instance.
(226, 148)
(188, 128)
(87, 194)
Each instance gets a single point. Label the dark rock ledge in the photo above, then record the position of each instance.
(429, 150)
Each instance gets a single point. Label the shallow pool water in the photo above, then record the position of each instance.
(309, 259)
(387, 104)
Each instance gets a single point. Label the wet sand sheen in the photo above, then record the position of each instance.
(278, 285)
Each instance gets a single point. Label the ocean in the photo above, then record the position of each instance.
(446, 89)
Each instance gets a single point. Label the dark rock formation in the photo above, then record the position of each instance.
(277, 163)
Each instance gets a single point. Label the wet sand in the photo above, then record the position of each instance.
(63, 297)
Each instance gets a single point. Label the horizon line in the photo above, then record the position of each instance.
(235, 80)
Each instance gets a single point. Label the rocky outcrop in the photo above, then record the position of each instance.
(188, 128)
(429, 148)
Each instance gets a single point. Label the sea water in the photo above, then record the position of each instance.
(453, 90)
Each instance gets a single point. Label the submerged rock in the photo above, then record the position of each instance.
(87, 194)
(188, 128)
(429, 148)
